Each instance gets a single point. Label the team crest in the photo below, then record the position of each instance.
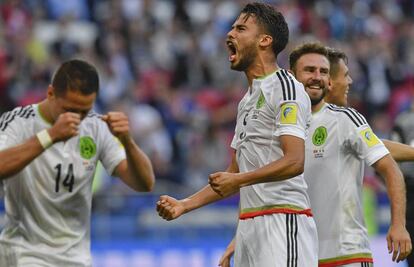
(369, 137)
(87, 147)
(288, 113)
(261, 101)
(319, 136)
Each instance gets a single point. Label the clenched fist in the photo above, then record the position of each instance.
(65, 127)
(118, 124)
(170, 208)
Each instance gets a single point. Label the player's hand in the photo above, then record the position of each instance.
(170, 208)
(118, 124)
(224, 183)
(226, 257)
(65, 127)
(399, 243)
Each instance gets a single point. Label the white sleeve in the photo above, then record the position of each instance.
(363, 141)
(10, 132)
(112, 152)
(293, 116)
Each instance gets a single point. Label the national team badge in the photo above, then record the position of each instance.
(319, 136)
(261, 101)
(369, 137)
(87, 147)
(288, 113)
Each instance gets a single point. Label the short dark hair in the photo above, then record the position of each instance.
(272, 22)
(76, 75)
(306, 48)
(334, 55)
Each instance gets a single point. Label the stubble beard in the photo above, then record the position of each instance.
(317, 100)
(249, 55)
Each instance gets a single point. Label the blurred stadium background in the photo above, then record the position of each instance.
(164, 63)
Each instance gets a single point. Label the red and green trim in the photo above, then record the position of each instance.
(347, 259)
(272, 209)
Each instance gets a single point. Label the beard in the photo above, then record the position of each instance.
(317, 100)
(249, 55)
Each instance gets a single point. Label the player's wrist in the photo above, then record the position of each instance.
(44, 139)
(187, 205)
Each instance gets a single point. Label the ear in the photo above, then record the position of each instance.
(265, 40)
(329, 86)
(50, 94)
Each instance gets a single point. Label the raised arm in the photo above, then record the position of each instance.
(170, 208)
(400, 152)
(288, 166)
(15, 159)
(398, 239)
(136, 170)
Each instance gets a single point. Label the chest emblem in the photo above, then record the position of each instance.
(87, 147)
(261, 101)
(319, 136)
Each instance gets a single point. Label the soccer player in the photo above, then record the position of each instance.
(48, 156)
(341, 139)
(276, 227)
(337, 93)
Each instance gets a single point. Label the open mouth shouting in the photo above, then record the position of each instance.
(232, 50)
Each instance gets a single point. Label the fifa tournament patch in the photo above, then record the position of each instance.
(87, 147)
(289, 113)
(369, 137)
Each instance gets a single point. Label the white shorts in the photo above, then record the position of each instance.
(276, 240)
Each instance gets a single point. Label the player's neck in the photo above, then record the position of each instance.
(317, 107)
(44, 111)
(258, 71)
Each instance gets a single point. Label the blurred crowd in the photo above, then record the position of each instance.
(164, 63)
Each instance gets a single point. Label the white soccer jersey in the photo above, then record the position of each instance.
(339, 145)
(48, 203)
(275, 105)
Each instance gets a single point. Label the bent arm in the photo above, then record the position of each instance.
(400, 152)
(136, 170)
(207, 195)
(288, 166)
(15, 159)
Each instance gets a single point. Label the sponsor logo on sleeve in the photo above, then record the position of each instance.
(369, 137)
(288, 113)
